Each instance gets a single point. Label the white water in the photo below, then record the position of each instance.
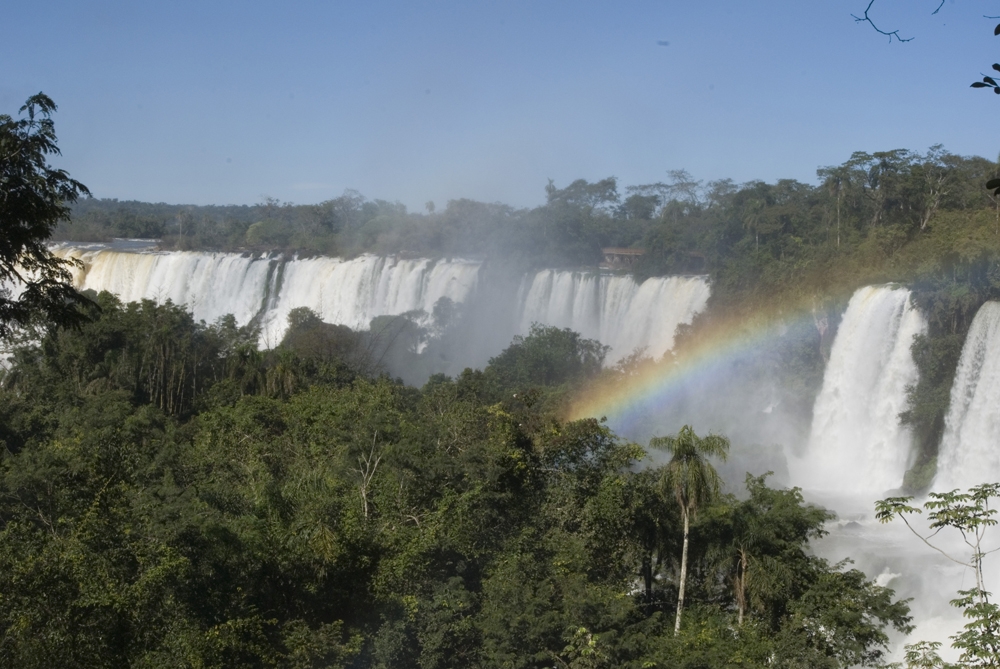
(892, 556)
(970, 448)
(353, 292)
(211, 285)
(856, 443)
(614, 309)
(346, 292)
(858, 452)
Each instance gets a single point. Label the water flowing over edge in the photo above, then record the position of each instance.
(611, 308)
(970, 447)
(856, 442)
(614, 309)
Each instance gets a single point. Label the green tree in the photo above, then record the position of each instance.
(34, 198)
(970, 514)
(692, 481)
(770, 531)
(547, 356)
(835, 180)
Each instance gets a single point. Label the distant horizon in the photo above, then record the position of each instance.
(421, 209)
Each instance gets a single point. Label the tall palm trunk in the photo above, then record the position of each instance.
(741, 584)
(684, 573)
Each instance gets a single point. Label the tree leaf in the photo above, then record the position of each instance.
(979, 84)
(996, 66)
(993, 183)
(990, 80)
(996, 31)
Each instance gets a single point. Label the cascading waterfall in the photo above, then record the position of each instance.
(346, 292)
(353, 292)
(614, 309)
(970, 448)
(211, 285)
(856, 444)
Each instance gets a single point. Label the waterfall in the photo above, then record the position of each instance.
(613, 309)
(353, 292)
(211, 285)
(856, 443)
(970, 447)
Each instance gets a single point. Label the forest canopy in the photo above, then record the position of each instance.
(173, 495)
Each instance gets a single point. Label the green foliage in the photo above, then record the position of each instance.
(688, 477)
(309, 337)
(34, 199)
(923, 655)
(768, 533)
(547, 356)
(840, 620)
(259, 511)
(692, 482)
(971, 515)
(979, 641)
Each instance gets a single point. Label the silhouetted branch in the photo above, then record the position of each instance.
(894, 33)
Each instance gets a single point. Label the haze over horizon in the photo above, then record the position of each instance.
(230, 102)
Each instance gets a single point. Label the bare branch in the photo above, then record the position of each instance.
(890, 35)
(368, 464)
(921, 537)
(938, 8)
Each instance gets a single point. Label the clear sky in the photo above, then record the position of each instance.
(225, 102)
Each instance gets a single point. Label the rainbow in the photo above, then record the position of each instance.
(627, 400)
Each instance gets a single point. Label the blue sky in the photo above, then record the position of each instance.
(219, 102)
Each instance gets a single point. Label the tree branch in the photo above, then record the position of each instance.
(890, 35)
(921, 537)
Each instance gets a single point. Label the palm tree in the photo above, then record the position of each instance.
(692, 481)
(758, 576)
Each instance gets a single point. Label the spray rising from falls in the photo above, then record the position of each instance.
(969, 453)
(353, 292)
(262, 289)
(856, 444)
(614, 309)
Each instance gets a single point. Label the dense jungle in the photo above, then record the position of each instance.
(172, 495)
(770, 250)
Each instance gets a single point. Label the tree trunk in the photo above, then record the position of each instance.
(741, 586)
(683, 580)
(838, 220)
(647, 575)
